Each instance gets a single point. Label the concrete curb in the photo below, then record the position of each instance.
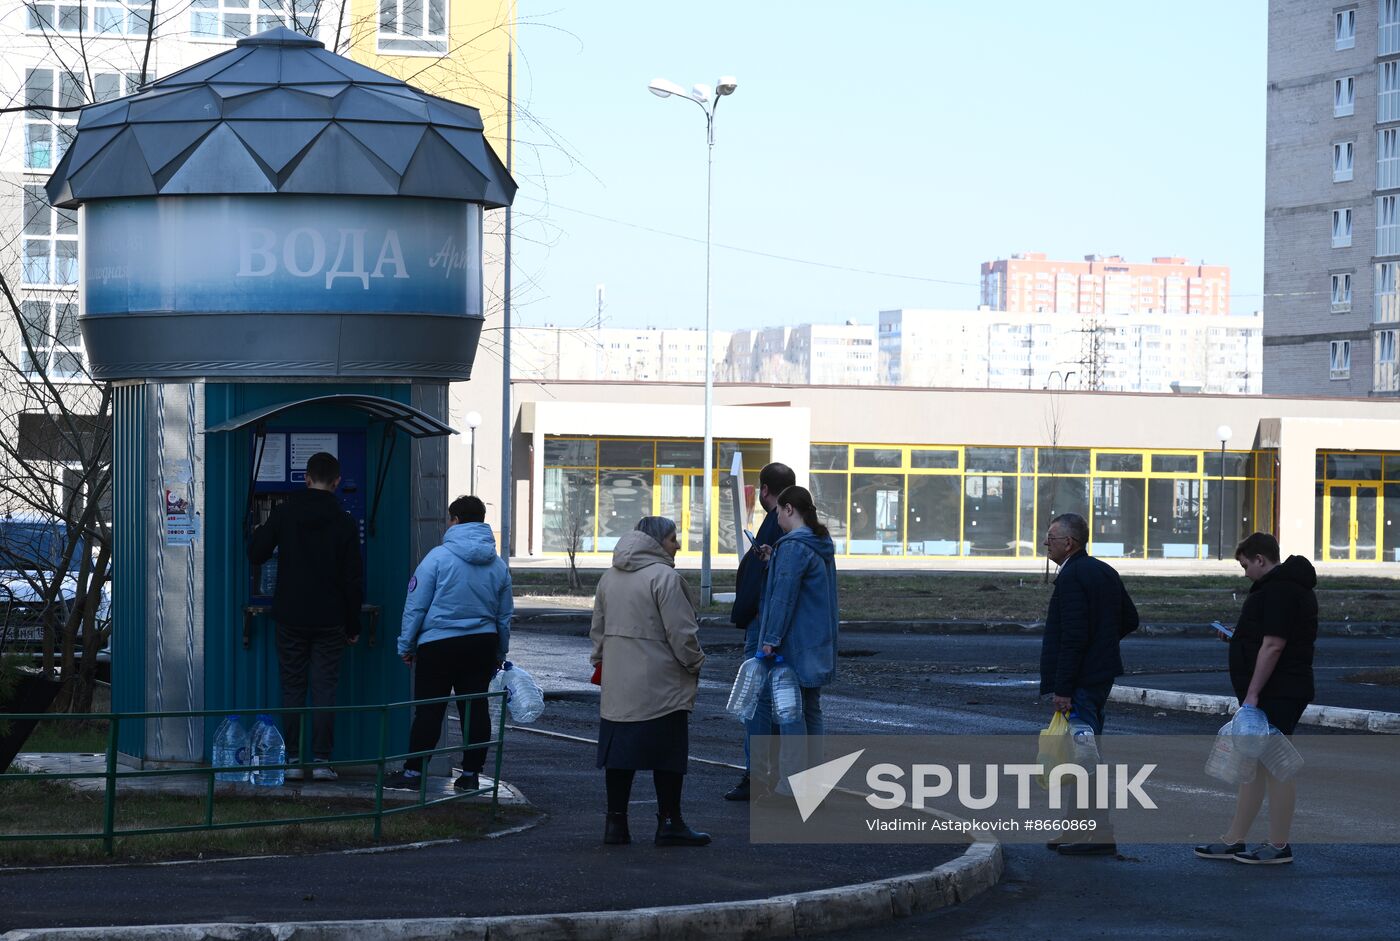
(957, 626)
(1332, 717)
(784, 916)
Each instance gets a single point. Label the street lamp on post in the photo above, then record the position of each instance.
(1223, 433)
(709, 102)
(473, 420)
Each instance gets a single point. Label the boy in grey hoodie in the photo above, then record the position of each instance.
(456, 628)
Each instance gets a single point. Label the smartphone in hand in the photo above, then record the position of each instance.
(1228, 632)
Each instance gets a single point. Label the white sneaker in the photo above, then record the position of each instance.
(321, 771)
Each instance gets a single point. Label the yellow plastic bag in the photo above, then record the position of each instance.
(1056, 748)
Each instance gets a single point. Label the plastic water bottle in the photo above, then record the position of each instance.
(1225, 762)
(268, 749)
(787, 695)
(231, 748)
(523, 695)
(748, 683)
(1251, 727)
(1086, 749)
(1280, 757)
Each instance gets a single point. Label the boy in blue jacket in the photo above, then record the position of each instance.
(456, 629)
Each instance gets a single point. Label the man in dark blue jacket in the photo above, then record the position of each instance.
(1090, 612)
(748, 583)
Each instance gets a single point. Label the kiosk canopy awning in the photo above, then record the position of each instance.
(406, 418)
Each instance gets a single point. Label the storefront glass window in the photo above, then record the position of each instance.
(926, 459)
(570, 452)
(877, 514)
(625, 453)
(991, 459)
(989, 514)
(829, 494)
(624, 497)
(879, 457)
(934, 514)
(828, 457)
(1119, 508)
(568, 510)
(1174, 518)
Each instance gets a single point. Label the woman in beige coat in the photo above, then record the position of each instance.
(646, 637)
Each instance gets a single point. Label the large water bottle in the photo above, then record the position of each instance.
(787, 695)
(748, 683)
(1251, 728)
(268, 749)
(1280, 757)
(1226, 763)
(230, 750)
(523, 695)
(1086, 749)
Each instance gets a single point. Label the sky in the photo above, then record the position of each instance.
(873, 158)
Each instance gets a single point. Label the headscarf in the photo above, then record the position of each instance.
(657, 527)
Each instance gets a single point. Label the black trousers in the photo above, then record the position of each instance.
(453, 666)
(309, 655)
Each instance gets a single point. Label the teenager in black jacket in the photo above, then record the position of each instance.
(316, 604)
(1271, 667)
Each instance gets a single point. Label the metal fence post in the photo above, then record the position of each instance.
(109, 804)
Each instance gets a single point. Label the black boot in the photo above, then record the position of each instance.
(672, 831)
(615, 831)
(740, 791)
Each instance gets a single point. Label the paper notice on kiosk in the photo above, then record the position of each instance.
(181, 522)
(306, 444)
(272, 469)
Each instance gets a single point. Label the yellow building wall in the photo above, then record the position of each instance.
(481, 34)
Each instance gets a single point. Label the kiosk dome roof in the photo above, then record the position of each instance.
(280, 114)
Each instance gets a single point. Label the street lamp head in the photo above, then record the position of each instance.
(473, 419)
(664, 88)
(1223, 433)
(726, 85)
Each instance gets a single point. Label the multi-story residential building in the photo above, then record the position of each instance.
(1134, 352)
(612, 354)
(1032, 283)
(1332, 188)
(810, 353)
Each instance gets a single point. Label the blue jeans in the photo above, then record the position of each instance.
(800, 745)
(1087, 706)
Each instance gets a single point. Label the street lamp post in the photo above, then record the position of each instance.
(709, 103)
(1223, 433)
(473, 420)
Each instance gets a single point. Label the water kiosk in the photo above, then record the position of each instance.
(281, 254)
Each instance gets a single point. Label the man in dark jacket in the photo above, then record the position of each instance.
(1090, 612)
(316, 604)
(748, 585)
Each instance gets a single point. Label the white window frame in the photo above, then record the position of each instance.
(1386, 291)
(1341, 227)
(1385, 346)
(1388, 92)
(53, 344)
(1344, 28)
(1340, 352)
(414, 27)
(1388, 158)
(1341, 292)
(1343, 160)
(1387, 226)
(1388, 41)
(222, 20)
(1344, 95)
(47, 134)
(49, 256)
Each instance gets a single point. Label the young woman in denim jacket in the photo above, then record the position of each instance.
(798, 619)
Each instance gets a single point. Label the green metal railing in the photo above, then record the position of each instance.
(112, 774)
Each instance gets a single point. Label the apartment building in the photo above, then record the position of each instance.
(1032, 283)
(809, 353)
(1131, 352)
(612, 354)
(1332, 198)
